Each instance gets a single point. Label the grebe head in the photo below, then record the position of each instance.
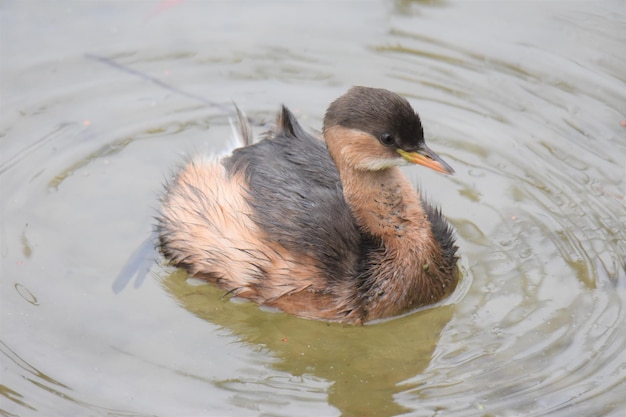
(373, 129)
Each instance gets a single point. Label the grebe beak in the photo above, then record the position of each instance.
(426, 157)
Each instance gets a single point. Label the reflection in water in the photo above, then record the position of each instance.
(527, 103)
(138, 265)
(364, 363)
(31, 374)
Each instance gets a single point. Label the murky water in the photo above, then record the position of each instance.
(102, 100)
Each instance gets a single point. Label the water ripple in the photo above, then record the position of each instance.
(527, 106)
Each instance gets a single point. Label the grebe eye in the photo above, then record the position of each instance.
(387, 139)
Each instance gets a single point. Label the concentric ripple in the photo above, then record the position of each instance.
(525, 102)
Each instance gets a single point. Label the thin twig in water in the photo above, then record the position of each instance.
(160, 83)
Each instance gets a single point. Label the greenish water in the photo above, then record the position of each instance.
(101, 101)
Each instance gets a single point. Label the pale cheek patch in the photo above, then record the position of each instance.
(378, 164)
(364, 152)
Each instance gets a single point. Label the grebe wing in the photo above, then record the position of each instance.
(295, 191)
(442, 231)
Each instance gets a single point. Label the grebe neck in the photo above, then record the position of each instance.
(386, 206)
(405, 269)
(383, 201)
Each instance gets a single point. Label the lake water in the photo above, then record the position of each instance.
(101, 101)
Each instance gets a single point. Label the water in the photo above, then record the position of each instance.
(101, 101)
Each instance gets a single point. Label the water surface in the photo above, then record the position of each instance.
(101, 101)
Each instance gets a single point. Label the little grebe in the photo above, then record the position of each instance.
(330, 231)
